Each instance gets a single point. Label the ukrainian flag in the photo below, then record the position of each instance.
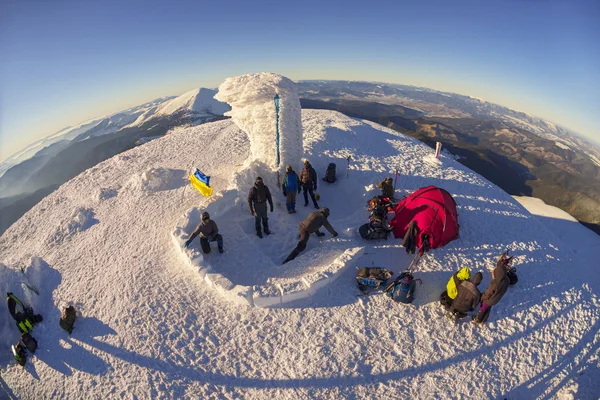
(201, 183)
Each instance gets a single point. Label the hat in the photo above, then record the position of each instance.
(205, 215)
(288, 168)
(258, 178)
(326, 211)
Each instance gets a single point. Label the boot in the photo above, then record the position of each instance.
(316, 206)
(267, 231)
(259, 234)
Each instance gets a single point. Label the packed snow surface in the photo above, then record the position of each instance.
(252, 101)
(152, 328)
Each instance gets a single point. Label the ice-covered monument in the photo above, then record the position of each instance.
(273, 125)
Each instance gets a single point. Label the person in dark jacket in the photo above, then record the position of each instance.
(308, 180)
(468, 296)
(387, 188)
(209, 232)
(257, 201)
(290, 184)
(311, 224)
(494, 292)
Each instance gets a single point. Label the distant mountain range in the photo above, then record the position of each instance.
(522, 154)
(39, 169)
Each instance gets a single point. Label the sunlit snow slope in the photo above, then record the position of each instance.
(152, 328)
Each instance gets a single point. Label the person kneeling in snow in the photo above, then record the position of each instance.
(209, 232)
(311, 224)
(387, 188)
(468, 296)
(494, 292)
(448, 296)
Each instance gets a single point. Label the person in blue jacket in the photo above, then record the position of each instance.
(290, 185)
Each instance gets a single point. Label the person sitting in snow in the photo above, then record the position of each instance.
(468, 296)
(289, 184)
(311, 224)
(448, 296)
(387, 188)
(494, 292)
(308, 179)
(257, 201)
(209, 232)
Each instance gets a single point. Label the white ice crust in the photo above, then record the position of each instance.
(251, 98)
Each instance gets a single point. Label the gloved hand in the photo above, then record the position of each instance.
(252, 212)
(319, 234)
(299, 189)
(335, 234)
(187, 243)
(284, 193)
(212, 237)
(271, 207)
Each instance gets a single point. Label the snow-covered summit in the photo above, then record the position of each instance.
(151, 327)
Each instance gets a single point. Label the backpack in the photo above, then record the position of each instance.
(373, 230)
(402, 290)
(379, 201)
(330, 173)
(512, 276)
(372, 277)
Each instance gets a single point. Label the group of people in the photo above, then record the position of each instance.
(260, 201)
(462, 293)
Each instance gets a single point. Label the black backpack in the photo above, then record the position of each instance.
(330, 173)
(373, 277)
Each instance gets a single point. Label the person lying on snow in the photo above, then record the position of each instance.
(258, 197)
(448, 296)
(468, 296)
(387, 188)
(25, 318)
(494, 292)
(209, 232)
(311, 224)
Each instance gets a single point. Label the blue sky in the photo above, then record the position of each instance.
(66, 61)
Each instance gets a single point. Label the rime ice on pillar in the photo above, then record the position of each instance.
(251, 98)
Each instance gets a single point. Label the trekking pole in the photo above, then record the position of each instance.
(348, 168)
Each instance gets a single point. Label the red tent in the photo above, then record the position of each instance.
(434, 212)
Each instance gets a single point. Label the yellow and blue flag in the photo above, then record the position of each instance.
(201, 183)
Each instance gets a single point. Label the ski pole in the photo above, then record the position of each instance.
(396, 180)
(348, 168)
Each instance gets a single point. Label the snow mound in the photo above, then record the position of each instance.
(251, 98)
(105, 193)
(157, 179)
(81, 220)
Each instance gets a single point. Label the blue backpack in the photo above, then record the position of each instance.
(402, 289)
